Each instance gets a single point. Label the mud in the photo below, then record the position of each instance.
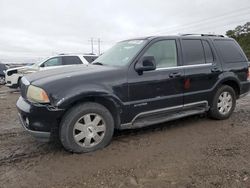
(191, 152)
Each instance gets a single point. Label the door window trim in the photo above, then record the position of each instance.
(185, 66)
(213, 54)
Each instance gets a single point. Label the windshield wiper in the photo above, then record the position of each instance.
(97, 63)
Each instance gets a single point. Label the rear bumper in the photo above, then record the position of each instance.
(38, 119)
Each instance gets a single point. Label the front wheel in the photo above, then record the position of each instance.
(2, 80)
(223, 103)
(86, 127)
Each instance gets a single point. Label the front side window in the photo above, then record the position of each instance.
(164, 52)
(56, 61)
(193, 52)
(122, 53)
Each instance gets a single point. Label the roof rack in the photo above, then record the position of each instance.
(90, 54)
(203, 35)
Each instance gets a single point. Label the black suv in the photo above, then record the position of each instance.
(136, 83)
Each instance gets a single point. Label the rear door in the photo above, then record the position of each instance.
(201, 68)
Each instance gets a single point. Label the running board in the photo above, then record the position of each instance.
(164, 115)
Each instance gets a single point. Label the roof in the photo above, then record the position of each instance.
(181, 36)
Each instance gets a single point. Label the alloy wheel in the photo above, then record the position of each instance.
(89, 130)
(225, 103)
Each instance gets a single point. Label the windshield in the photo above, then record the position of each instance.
(121, 53)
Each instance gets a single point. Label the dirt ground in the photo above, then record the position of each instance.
(191, 152)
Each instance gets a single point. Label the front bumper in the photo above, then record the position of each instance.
(37, 119)
(39, 135)
(12, 81)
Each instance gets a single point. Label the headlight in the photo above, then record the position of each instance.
(37, 94)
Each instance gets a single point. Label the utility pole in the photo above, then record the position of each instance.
(99, 46)
(92, 46)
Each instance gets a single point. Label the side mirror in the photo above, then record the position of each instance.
(146, 63)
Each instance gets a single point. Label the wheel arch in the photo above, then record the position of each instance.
(107, 101)
(234, 83)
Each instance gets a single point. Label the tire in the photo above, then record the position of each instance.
(223, 103)
(86, 127)
(19, 83)
(2, 80)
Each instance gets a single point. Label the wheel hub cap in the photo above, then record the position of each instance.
(225, 103)
(89, 130)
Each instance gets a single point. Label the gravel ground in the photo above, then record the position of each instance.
(191, 152)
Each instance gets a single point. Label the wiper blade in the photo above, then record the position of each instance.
(97, 63)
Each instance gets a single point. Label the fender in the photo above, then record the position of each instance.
(225, 77)
(87, 91)
(228, 76)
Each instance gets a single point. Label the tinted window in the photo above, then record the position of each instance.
(90, 59)
(208, 52)
(56, 61)
(164, 53)
(71, 60)
(193, 52)
(229, 51)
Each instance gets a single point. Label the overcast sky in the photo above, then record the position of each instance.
(38, 28)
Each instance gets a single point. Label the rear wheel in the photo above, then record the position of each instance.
(223, 103)
(86, 127)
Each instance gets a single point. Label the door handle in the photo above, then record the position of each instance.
(215, 69)
(174, 74)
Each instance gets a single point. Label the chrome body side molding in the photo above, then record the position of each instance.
(202, 104)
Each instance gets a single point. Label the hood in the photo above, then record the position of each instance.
(68, 73)
(67, 83)
(24, 69)
(16, 68)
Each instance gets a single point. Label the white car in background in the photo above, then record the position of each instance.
(14, 75)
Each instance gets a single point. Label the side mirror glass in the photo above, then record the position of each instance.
(146, 63)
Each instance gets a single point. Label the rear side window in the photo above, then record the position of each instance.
(208, 52)
(90, 59)
(193, 52)
(229, 51)
(71, 60)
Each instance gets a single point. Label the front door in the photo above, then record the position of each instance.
(158, 89)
